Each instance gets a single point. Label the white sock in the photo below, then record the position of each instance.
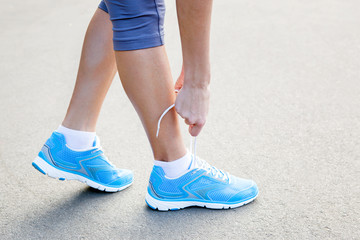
(77, 140)
(175, 169)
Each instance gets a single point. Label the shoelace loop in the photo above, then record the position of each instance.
(218, 173)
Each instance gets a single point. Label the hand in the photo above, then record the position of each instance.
(192, 104)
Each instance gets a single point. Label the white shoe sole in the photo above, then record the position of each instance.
(42, 166)
(177, 205)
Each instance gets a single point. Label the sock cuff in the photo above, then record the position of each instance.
(77, 140)
(62, 129)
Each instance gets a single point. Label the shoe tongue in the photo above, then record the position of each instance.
(96, 142)
(195, 163)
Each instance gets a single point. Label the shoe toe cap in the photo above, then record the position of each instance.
(125, 177)
(117, 178)
(247, 189)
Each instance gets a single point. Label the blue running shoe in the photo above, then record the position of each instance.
(91, 166)
(203, 186)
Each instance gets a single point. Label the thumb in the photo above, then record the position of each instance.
(195, 129)
(178, 84)
(180, 81)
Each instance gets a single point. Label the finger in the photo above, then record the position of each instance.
(178, 85)
(188, 122)
(194, 130)
(178, 111)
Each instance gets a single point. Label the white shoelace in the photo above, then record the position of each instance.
(200, 163)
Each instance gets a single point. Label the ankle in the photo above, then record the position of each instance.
(78, 125)
(168, 155)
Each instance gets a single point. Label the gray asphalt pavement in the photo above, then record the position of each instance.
(285, 111)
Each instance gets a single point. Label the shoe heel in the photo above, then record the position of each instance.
(163, 205)
(38, 168)
(45, 168)
(154, 204)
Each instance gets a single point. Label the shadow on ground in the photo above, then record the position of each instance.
(77, 215)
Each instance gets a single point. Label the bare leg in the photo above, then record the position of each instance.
(96, 71)
(147, 81)
(146, 78)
